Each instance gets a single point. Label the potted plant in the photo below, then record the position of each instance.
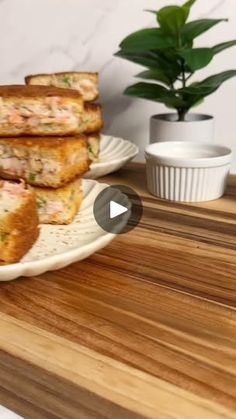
(171, 60)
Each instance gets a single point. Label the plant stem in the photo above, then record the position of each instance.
(190, 75)
(179, 43)
(182, 111)
(183, 75)
(181, 114)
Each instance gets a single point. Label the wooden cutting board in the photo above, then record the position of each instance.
(146, 328)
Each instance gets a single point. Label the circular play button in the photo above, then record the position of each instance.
(118, 209)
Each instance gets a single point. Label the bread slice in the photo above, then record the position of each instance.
(59, 206)
(39, 110)
(18, 221)
(94, 146)
(39, 92)
(85, 83)
(49, 162)
(92, 119)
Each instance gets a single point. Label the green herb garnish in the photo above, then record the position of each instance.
(32, 177)
(41, 202)
(67, 81)
(3, 236)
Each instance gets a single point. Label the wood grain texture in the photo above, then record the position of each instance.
(146, 328)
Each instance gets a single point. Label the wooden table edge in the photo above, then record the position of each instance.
(101, 378)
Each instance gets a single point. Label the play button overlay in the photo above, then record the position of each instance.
(118, 209)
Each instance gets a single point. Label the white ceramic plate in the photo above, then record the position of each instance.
(115, 153)
(59, 246)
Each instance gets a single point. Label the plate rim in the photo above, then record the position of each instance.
(21, 268)
(131, 155)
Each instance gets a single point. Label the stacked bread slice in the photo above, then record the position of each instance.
(86, 84)
(49, 134)
(53, 167)
(44, 141)
(18, 221)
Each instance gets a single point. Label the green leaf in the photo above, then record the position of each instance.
(196, 92)
(209, 85)
(171, 19)
(152, 59)
(155, 74)
(147, 59)
(221, 47)
(198, 102)
(156, 93)
(196, 28)
(189, 4)
(197, 58)
(187, 7)
(217, 80)
(145, 39)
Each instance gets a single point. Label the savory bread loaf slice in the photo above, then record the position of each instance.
(85, 83)
(44, 161)
(94, 141)
(59, 206)
(18, 221)
(39, 110)
(92, 120)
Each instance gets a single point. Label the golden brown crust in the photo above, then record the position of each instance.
(73, 173)
(12, 132)
(71, 154)
(41, 142)
(79, 74)
(61, 194)
(23, 227)
(93, 108)
(92, 126)
(94, 118)
(69, 80)
(31, 91)
(95, 134)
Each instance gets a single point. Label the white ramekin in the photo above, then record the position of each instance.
(186, 171)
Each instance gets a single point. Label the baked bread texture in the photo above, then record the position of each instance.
(50, 162)
(59, 206)
(85, 83)
(39, 111)
(19, 223)
(92, 119)
(94, 141)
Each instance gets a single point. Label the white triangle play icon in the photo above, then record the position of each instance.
(116, 209)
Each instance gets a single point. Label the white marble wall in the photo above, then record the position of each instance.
(53, 35)
(56, 35)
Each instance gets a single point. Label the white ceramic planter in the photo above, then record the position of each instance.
(197, 127)
(187, 172)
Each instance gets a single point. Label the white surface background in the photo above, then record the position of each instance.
(58, 35)
(53, 35)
